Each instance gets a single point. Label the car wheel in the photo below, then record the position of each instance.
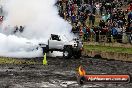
(67, 53)
(77, 54)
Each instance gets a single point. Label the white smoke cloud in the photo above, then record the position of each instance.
(40, 19)
(13, 46)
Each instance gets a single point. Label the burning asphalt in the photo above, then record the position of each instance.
(61, 73)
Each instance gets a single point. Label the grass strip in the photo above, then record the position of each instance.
(4, 60)
(101, 48)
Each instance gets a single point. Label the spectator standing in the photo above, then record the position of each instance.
(91, 19)
(98, 8)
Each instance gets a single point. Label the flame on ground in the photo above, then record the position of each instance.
(81, 71)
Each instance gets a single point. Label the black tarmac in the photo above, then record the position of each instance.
(61, 73)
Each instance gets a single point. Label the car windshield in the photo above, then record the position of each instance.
(55, 37)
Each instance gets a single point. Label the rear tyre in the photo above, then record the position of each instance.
(77, 54)
(67, 53)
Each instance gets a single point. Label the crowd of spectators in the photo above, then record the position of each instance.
(91, 18)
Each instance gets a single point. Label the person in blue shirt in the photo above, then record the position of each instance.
(129, 17)
(85, 33)
(114, 32)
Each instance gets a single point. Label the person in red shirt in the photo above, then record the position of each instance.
(130, 7)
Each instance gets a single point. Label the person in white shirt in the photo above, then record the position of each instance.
(97, 8)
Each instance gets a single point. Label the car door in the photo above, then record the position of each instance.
(55, 43)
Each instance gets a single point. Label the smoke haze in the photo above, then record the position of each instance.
(40, 19)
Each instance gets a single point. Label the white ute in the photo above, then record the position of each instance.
(69, 49)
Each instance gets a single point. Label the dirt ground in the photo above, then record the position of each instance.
(61, 73)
